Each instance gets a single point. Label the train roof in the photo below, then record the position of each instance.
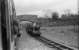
(24, 22)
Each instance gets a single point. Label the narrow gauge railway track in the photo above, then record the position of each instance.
(53, 44)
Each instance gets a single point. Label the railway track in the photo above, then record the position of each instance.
(53, 44)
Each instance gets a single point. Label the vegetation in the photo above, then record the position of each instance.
(64, 21)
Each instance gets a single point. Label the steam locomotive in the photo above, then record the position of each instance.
(33, 29)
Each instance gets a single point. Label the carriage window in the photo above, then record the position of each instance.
(53, 21)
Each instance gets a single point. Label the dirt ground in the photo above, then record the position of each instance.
(26, 42)
(62, 34)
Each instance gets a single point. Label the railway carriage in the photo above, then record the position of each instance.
(7, 18)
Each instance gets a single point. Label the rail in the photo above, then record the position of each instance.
(53, 44)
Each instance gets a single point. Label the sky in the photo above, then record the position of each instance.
(40, 7)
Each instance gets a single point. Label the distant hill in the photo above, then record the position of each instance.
(27, 17)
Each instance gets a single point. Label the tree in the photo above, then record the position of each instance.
(68, 12)
(55, 15)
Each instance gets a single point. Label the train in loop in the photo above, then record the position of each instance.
(33, 29)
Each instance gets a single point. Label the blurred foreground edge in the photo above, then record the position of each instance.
(6, 19)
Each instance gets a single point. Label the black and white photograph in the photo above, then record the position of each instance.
(39, 24)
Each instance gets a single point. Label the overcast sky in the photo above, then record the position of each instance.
(35, 6)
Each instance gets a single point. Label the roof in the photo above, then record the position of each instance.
(24, 22)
